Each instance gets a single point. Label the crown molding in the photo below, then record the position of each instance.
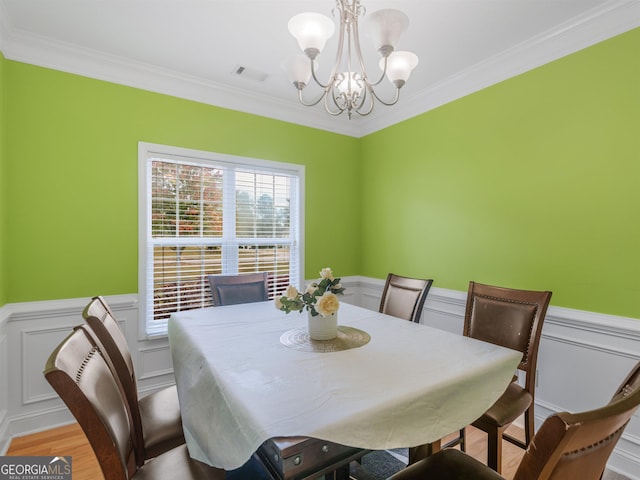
(605, 21)
(49, 53)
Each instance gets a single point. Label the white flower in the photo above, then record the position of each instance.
(311, 288)
(327, 304)
(292, 292)
(326, 273)
(278, 302)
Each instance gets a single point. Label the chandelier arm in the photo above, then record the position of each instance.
(388, 104)
(320, 84)
(371, 105)
(335, 102)
(313, 103)
(365, 76)
(363, 97)
(332, 76)
(338, 104)
(382, 75)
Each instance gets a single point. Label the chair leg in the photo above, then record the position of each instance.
(529, 424)
(529, 430)
(463, 439)
(494, 449)
(341, 473)
(424, 451)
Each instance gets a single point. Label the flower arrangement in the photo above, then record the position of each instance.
(319, 298)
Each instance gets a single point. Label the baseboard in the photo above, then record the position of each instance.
(44, 419)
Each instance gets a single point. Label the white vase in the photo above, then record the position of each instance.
(323, 328)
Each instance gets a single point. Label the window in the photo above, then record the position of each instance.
(204, 213)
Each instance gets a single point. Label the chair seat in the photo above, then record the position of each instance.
(448, 464)
(507, 408)
(176, 463)
(161, 421)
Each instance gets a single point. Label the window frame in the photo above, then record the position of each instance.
(205, 158)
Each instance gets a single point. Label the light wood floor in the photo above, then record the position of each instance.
(61, 442)
(70, 440)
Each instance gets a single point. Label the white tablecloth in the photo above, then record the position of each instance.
(239, 386)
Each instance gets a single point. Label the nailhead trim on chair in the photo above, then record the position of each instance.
(594, 445)
(85, 362)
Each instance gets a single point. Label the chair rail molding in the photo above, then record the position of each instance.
(583, 358)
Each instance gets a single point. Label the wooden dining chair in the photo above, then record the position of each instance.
(79, 373)
(235, 289)
(511, 318)
(404, 297)
(567, 446)
(156, 420)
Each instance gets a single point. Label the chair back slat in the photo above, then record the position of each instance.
(235, 289)
(404, 297)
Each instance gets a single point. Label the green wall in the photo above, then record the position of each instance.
(3, 161)
(531, 183)
(72, 160)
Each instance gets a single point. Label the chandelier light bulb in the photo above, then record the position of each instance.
(350, 83)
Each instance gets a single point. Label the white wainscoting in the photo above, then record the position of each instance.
(583, 358)
(4, 383)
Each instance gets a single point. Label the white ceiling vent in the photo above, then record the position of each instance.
(249, 73)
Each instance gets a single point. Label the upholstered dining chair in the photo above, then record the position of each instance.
(243, 288)
(567, 445)
(156, 420)
(404, 297)
(511, 318)
(80, 375)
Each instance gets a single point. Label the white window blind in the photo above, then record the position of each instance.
(206, 213)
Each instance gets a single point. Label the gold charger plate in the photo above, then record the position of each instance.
(348, 338)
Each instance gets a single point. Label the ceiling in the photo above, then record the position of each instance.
(192, 48)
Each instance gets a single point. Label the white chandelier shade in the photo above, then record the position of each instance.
(386, 27)
(298, 68)
(312, 30)
(399, 67)
(349, 90)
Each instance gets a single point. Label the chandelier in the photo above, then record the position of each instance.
(349, 87)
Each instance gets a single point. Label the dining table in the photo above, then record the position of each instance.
(249, 373)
